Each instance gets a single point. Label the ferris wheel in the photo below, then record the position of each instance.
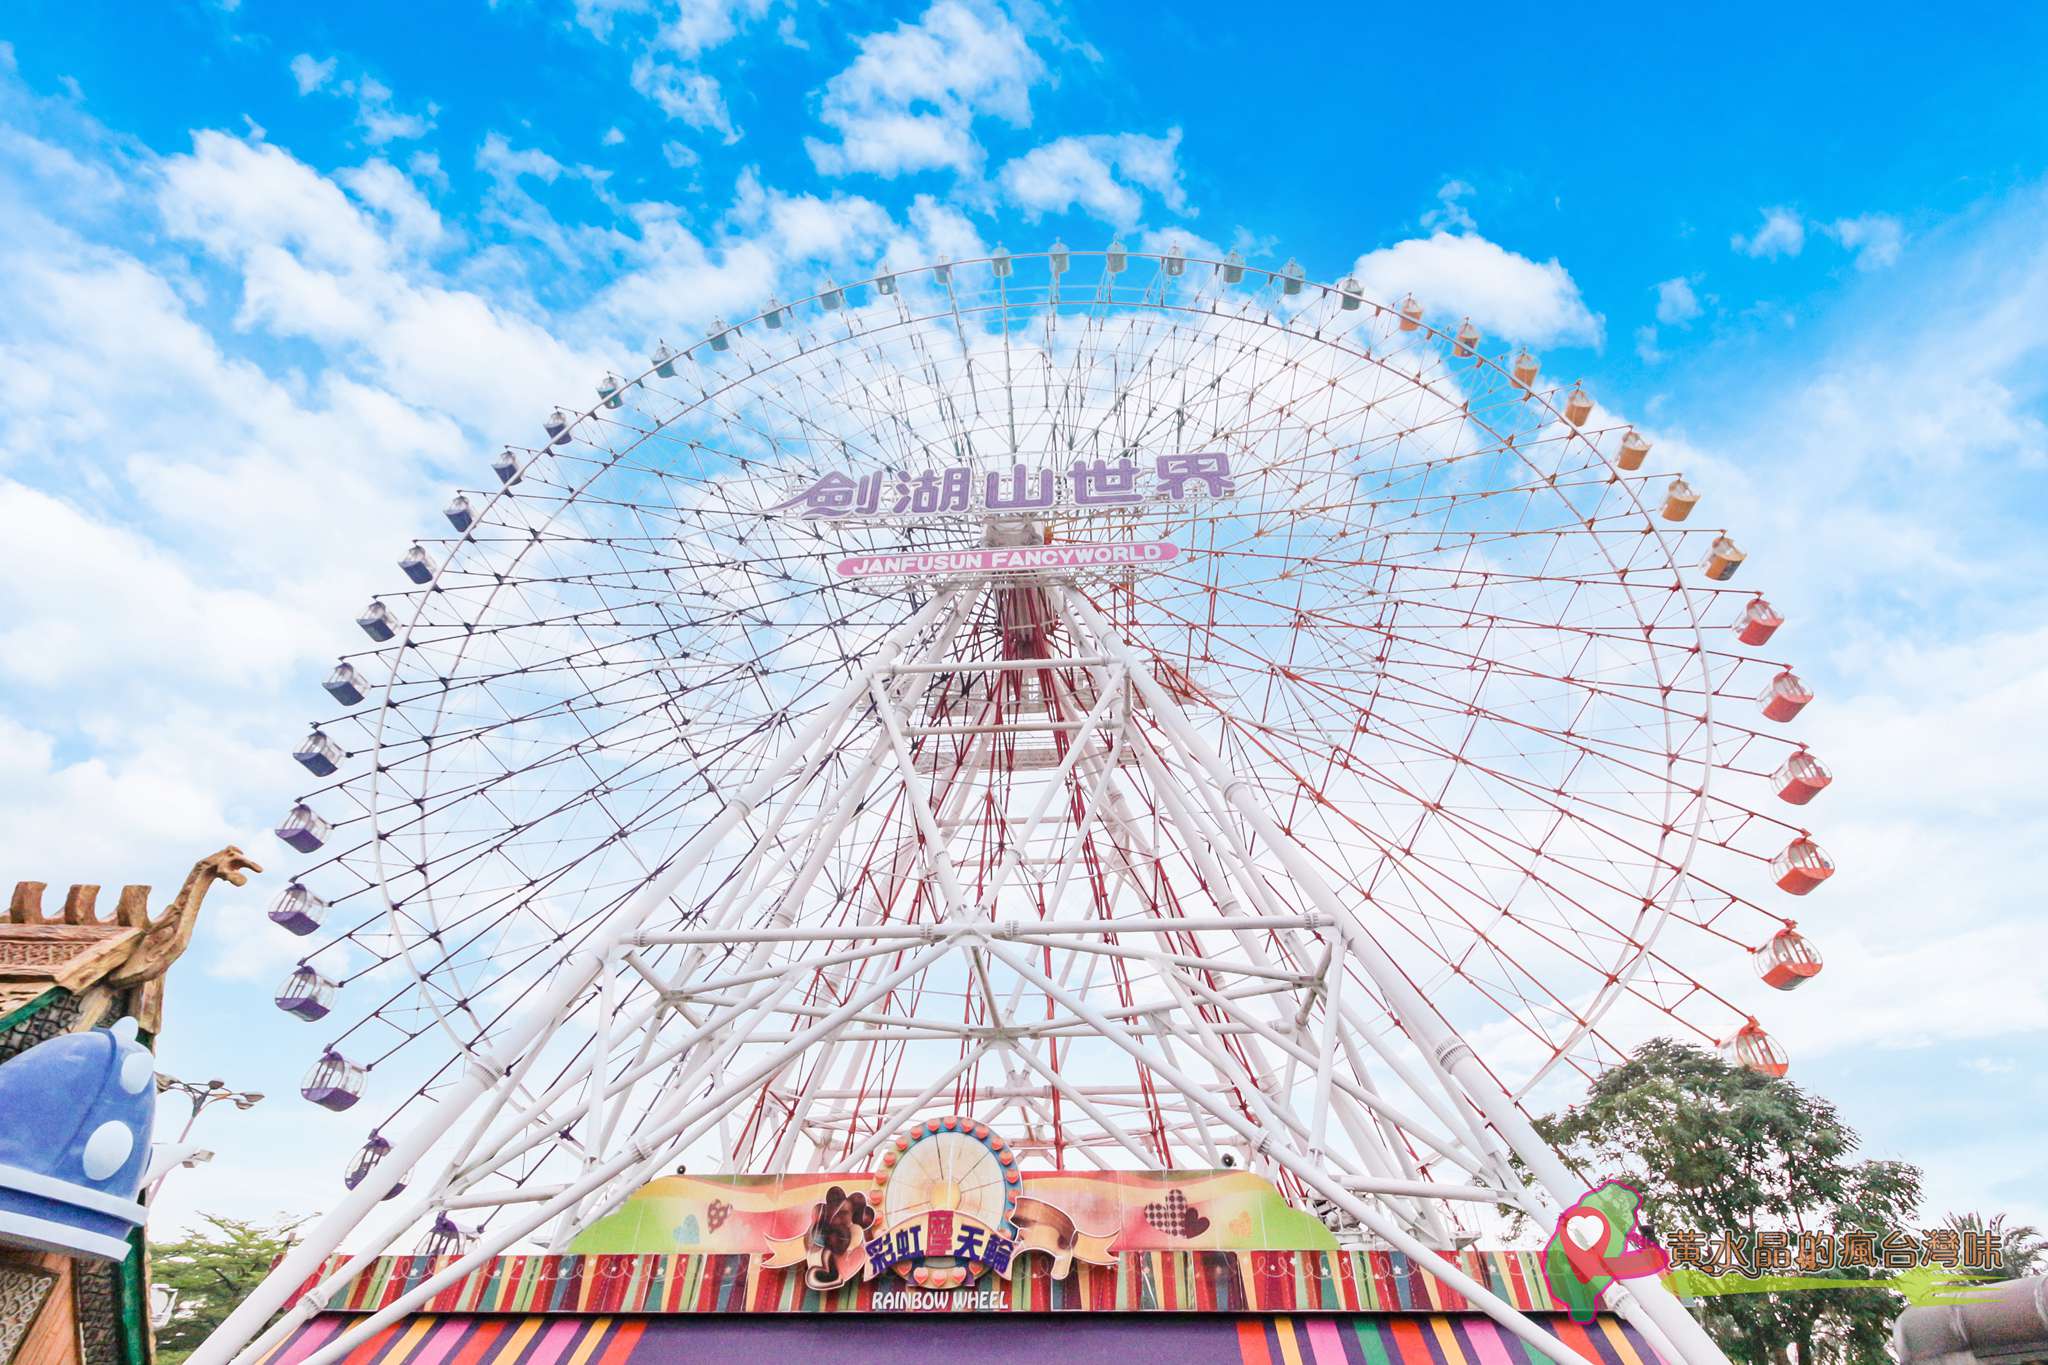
(1185, 712)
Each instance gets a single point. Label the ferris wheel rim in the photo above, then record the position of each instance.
(1151, 300)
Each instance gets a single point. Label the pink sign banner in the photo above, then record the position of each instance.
(1012, 559)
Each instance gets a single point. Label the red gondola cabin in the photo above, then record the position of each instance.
(1801, 867)
(1759, 622)
(1785, 698)
(1801, 778)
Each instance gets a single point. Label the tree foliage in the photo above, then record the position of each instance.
(2023, 1250)
(213, 1270)
(1718, 1149)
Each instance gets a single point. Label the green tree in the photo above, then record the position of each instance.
(2023, 1250)
(213, 1269)
(1718, 1150)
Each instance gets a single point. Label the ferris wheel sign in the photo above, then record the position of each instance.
(965, 491)
(1012, 559)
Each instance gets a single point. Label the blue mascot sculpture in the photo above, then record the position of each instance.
(75, 1117)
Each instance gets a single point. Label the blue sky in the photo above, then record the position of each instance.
(266, 259)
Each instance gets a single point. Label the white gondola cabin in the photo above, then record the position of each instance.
(1175, 261)
(1753, 1049)
(1059, 258)
(608, 390)
(1578, 405)
(344, 684)
(1785, 698)
(1758, 623)
(942, 273)
(1291, 276)
(376, 621)
(1679, 500)
(298, 909)
(832, 297)
(459, 513)
(1348, 295)
(318, 754)
(418, 564)
(306, 994)
(1801, 778)
(367, 1159)
(999, 262)
(557, 424)
(304, 829)
(335, 1082)
(1634, 450)
(664, 360)
(721, 335)
(1801, 867)
(1724, 557)
(1116, 258)
(1232, 268)
(1788, 961)
(446, 1238)
(506, 467)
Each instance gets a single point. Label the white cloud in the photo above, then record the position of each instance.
(1876, 238)
(684, 94)
(1646, 346)
(1506, 295)
(1450, 212)
(379, 118)
(381, 186)
(612, 136)
(311, 75)
(380, 122)
(692, 27)
(678, 155)
(668, 52)
(1782, 234)
(1677, 304)
(1097, 174)
(909, 100)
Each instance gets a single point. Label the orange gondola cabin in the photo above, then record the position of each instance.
(1788, 961)
(1753, 1049)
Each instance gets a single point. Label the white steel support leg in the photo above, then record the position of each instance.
(1273, 1143)
(1661, 1315)
(653, 1147)
(485, 1074)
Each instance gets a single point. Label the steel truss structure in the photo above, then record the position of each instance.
(1406, 793)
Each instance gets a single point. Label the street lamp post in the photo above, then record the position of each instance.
(200, 1097)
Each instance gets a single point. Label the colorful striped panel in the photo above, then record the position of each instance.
(1140, 1282)
(1105, 1339)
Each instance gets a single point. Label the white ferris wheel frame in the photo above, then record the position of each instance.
(1300, 1020)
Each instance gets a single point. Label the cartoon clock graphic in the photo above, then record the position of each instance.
(951, 1166)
